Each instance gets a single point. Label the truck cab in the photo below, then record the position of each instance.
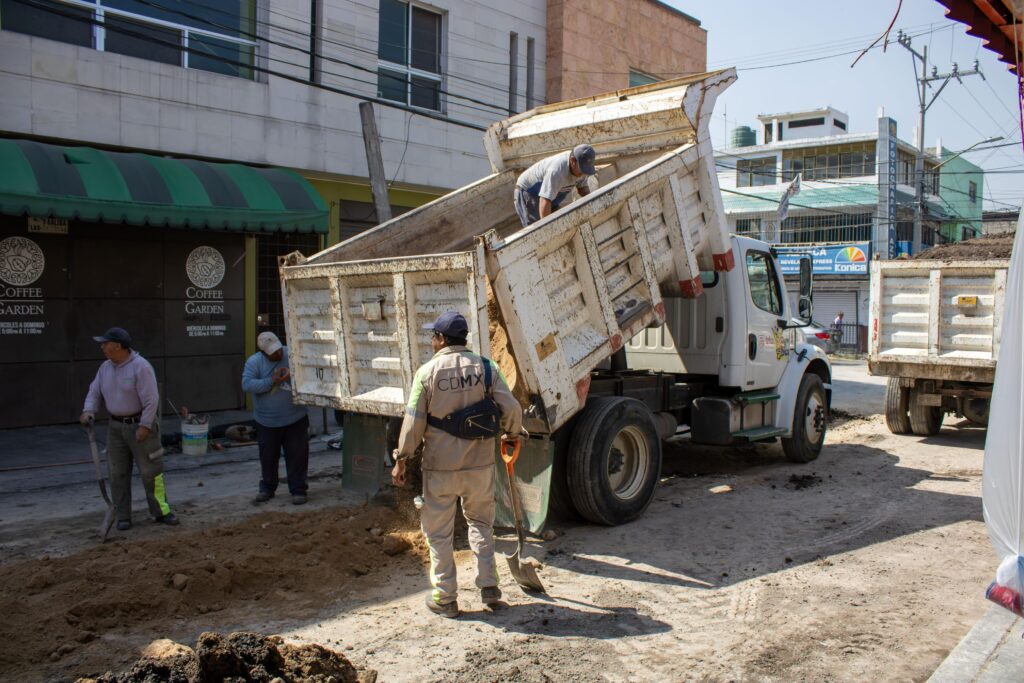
(738, 342)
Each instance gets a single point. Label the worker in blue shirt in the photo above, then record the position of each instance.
(280, 424)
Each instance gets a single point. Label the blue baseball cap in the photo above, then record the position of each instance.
(115, 334)
(450, 324)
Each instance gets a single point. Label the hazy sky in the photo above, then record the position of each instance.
(759, 38)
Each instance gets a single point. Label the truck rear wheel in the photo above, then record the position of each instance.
(924, 420)
(976, 410)
(809, 420)
(897, 400)
(614, 460)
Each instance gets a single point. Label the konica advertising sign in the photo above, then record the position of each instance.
(837, 259)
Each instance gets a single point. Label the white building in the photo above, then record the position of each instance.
(856, 200)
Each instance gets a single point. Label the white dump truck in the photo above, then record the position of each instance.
(556, 303)
(934, 331)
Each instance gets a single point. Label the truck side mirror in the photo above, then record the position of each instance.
(806, 299)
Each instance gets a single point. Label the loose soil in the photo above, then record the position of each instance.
(61, 614)
(983, 248)
(872, 571)
(238, 657)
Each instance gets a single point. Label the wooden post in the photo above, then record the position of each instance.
(374, 162)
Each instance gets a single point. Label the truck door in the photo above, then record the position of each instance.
(767, 344)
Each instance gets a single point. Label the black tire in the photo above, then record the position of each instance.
(897, 402)
(614, 460)
(810, 421)
(924, 420)
(976, 410)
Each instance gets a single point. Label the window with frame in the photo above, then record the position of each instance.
(217, 35)
(409, 55)
(764, 282)
(972, 191)
(749, 227)
(755, 172)
(640, 78)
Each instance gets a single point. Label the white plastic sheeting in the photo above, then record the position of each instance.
(1003, 480)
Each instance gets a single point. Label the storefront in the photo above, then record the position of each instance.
(841, 283)
(165, 248)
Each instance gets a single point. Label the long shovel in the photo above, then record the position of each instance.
(108, 519)
(524, 574)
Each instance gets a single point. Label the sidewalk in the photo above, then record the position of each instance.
(991, 652)
(36, 458)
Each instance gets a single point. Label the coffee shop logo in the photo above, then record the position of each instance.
(205, 267)
(22, 261)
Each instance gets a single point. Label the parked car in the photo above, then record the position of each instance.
(815, 334)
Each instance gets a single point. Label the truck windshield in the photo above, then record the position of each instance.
(764, 285)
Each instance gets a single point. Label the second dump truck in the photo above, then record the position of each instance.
(646, 256)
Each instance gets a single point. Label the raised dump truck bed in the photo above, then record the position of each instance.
(549, 302)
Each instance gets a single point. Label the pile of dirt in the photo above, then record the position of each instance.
(799, 482)
(982, 248)
(238, 657)
(61, 613)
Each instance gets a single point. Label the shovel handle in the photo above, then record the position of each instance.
(510, 458)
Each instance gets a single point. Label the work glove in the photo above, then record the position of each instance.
(88, 417)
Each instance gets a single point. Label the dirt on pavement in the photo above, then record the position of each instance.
(60, 613)
(868, 564)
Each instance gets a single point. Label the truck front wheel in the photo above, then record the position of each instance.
(924, 420)
(614, 460)
(897, 400)
(809, 420)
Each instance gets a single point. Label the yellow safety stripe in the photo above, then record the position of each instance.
(160, 493)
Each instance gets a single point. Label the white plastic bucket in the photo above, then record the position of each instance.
(194, 438)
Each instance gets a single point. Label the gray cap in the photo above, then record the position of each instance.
(584, 156)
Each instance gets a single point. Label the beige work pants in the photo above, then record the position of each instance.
(441, 491)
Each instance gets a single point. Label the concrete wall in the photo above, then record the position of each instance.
(593, 44)
(60, 91)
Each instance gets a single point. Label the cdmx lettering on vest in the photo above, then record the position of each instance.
(459, 382)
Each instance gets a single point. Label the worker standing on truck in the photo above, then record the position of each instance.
(126, 384)
(455, 468)
(543, 187)
(280, 424)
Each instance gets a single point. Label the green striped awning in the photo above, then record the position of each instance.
(43, 180)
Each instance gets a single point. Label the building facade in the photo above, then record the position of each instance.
(856, 201)
(598, 46)
(99, 93)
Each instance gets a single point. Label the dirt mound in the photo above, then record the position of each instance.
(72, 614)
(238, 657)
(982, 248)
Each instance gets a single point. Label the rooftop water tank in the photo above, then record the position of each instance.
(743, 136)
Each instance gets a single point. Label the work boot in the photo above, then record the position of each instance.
(168, 519)
(124, 524)
(262, 497)
(448, 611)
(298, 499)
(491, 596)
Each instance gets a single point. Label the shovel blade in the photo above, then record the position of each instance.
(108, 522)
(524, 573)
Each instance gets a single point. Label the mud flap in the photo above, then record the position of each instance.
(364, 453)
(533, 478)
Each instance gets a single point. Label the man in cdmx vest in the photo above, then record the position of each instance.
(455, 468)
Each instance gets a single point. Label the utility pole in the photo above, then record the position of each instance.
(924, 81)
